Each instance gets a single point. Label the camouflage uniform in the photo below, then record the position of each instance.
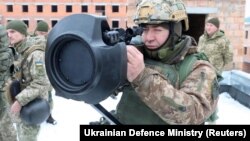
(34, 83)
(161, 94)
(7, 130)
(41, 39)
(217, 48)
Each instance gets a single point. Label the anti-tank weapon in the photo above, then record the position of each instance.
(86, 60)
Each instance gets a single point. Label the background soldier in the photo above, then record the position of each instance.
(7, 130)
(42, 29)
(30, 72)
(215, 45)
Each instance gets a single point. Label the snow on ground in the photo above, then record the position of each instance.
(231, 111)
(70, 114)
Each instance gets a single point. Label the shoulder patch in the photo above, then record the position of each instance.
(39, 68)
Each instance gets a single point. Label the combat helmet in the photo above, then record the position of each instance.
(170, 12)
(159, 11)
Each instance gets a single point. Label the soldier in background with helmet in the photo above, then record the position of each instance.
(215, 45)
(30, 72)
(7, 130)
(170, 83)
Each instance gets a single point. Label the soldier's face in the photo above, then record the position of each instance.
(210, 29)
(15, 36)
(43, 33)
(154, 36)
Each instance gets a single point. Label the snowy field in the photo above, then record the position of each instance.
(70, 114)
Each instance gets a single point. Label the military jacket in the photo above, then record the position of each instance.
(154, 97)
(6, 57)
(31, 73)
(217, 48)
(192, 103)
(6, 60)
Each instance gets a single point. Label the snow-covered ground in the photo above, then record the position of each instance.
(71, 114)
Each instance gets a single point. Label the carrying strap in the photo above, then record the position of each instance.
(179, 72)
(19, 74)
(30, 50)
(186, 66)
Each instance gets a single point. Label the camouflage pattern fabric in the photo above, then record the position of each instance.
(217, 48)
(156, 99)
(7, 130)
(34, 83)
(159, 11)
(193, 103)
(37, 40)
(41, 40)
(27, 132)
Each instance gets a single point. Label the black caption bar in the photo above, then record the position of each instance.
(196, 132)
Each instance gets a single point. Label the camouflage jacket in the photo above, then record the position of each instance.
(179, 93)
(192, 103)
(6, 60)
(6, 57)
(32, 73)
(217, 48)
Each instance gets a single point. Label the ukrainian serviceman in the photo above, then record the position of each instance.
(216, 45)
(41, 31)
(170, 83)
(30, 72)
(7, 130)
(42, 28)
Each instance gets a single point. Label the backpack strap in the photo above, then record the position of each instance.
(13, 86)
(26, 55)
(185, 67)
(29, 51)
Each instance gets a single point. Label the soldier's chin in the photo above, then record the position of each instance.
(14, 42)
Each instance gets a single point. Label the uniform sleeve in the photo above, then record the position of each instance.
(3, 38)
(6, 57)
(200, 43)
(227, 52)
(39, 84)
(191, 104)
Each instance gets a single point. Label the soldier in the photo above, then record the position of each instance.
(30, 72)
(170, 83)
(7, 130)
(215, 45)
(42, 29)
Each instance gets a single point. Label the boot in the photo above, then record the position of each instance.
(102, 121)
(51, 120)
